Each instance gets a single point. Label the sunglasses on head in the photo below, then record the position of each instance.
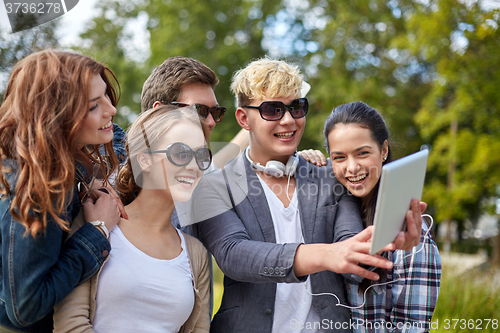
(180, 154)
(203, 110)
(275, 110)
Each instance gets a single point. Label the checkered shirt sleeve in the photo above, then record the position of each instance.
(406, 305)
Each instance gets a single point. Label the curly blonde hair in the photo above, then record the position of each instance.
(45, 105)
(266, 77)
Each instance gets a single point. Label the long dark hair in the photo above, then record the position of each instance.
(367, 117)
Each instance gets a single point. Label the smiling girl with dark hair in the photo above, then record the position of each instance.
(356, 139)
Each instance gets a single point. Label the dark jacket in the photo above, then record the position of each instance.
(238, 230)
(37, 273)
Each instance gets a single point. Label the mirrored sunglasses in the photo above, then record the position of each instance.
(180, 154)
(275, 110)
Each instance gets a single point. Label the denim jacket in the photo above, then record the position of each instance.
(37, 273)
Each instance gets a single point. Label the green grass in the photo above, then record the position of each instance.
(470, 298)
(218, 287)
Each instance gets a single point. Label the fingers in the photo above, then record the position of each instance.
(313, 156)
(400, 240)
(353, 259)
(365, 235)
(318, 158)
(407, 240)
(358, 270)
(105, 208)
(106, 188)
(306, 154)
(423, 206)
(417, 219)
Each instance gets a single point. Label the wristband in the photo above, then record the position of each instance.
(101, 226)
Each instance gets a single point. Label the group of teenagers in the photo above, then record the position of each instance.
(107, 231)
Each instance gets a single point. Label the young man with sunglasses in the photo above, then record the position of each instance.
(280, 228)
(185, 81)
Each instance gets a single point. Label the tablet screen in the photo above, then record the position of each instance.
(400, 182)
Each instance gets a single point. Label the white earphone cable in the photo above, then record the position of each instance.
(426, 236)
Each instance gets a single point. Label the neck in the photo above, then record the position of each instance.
(262, 157)
(153, 209)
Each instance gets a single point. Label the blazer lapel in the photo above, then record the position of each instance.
(307, 190)
(249, 185)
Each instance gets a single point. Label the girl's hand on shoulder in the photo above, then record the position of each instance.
(106, 208)
(106, 186)
(313, 156)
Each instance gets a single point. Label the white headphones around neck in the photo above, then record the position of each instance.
(276, 168)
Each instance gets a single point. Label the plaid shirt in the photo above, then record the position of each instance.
(406, 305)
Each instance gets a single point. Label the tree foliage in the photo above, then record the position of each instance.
(223, 34)
(108, 39)
(16, 46)
(427, 66)
(460, 116)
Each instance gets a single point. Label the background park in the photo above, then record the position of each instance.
(431, 67)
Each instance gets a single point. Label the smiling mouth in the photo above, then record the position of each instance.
(185, 180)
(108, 124)
(286, 135)
(357, 180)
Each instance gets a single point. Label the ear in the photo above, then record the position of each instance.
(242, 118)
(385, 148)
(144, 161)
(157, 103)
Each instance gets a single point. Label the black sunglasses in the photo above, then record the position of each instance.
(180, 154)
(203, 110)
(275, 110)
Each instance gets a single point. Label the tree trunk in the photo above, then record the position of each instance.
(449, 185)
(495, 257)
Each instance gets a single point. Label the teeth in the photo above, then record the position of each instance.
(110, 123)
(356, 179)
(284, 135)
(186, 180)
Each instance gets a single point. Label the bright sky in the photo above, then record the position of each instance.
(72, 23)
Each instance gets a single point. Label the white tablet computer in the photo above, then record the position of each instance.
(400, 182)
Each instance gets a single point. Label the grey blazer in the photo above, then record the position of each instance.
(238, 230)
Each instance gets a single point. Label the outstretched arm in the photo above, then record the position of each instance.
(341, 257)
(232, 149)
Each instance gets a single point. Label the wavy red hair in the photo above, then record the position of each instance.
(45, 104)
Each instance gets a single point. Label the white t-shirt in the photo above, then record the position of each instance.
(293, 305)
(139, 293)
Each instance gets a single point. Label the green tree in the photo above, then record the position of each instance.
(359, 57)
(460, 116)
(109, 39)
(223, 34)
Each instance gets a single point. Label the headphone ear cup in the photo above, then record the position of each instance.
(275, 169)
(291, 165)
